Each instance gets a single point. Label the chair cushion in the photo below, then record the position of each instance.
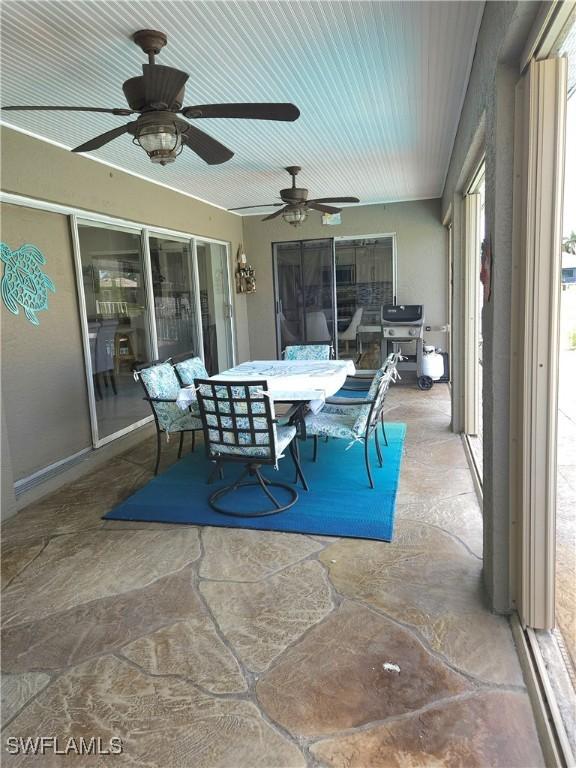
(190, 369)
(283, 437)
(307, 352)
(330, 425)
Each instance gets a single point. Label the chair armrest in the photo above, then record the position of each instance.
(160, 399)
(348, 401)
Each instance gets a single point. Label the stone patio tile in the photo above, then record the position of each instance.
(101, 626)
(190, 649)
(17, 690)
(88, 566)
(417, 483)
(77, 506)
(242, 555)
(334, 679)
(162, 722)
(261, 619)
(431, 430)
(460, 516)
(493, 729)
(447, 453)
(16, 557)
(430, 582)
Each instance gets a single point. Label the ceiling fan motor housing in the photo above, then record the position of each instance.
(294, 195)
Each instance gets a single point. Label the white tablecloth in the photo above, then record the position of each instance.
(310, 381)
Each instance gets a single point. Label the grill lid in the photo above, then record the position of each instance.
(402, 314)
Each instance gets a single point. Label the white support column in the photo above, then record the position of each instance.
(538, 228)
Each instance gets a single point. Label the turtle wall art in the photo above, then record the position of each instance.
(24, 282)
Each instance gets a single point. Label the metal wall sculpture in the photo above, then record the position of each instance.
(23, 282)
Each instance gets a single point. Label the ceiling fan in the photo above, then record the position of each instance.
(157, 95)
(296, 204)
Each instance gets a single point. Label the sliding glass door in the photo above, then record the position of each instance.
(146, 296)
(216, 305)
(116, 306)
(173, 286)
(304, 280)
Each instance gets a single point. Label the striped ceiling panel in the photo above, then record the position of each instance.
(380, 87)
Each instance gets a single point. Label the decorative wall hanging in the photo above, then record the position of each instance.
(245, 274)
(24, 282)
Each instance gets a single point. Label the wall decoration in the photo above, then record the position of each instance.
(24, 282)
(486, 269)
(331, 219)
(245, 274)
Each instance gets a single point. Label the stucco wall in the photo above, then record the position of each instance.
(44, 383)
(486, 125)
(421, 258)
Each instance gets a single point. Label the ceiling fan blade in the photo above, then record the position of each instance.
(323, 208)
(210, 150)
(264, 205)
(287, 112)
(162, 85)
(275, 214)
(104, 138)
(124, 112)
(334, 200)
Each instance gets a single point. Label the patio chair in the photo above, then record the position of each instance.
(355, 420)
(161, 387)
(240, 427)
(308, 352)
(351, 332)
(362, 382)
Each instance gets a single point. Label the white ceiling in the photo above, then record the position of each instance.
(380, 87)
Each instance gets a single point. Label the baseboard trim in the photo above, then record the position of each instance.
(46, 473)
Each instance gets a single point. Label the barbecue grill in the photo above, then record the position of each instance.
(400, 324)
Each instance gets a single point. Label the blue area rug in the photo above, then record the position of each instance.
(339, 502)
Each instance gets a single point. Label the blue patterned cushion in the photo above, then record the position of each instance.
(161, 381)
(330, 425)
(307, 352)
(191, 369)
(243, 443)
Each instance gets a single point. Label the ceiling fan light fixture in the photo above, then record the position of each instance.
(295, 215)
(162, 142)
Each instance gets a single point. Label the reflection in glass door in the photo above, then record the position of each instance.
(174, 296)
(216, 306)
(304, 280)
(117, 322)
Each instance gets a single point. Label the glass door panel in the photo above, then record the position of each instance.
(364, 282)
(116, 312)
(304, 274)
(174, 296)
(216, 307)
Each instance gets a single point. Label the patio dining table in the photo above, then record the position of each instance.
(289, 381)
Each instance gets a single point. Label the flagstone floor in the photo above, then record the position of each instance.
(221, 648)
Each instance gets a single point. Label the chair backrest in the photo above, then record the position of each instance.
(308, 352)
(369, 413)
(350, 332)
(238, 419)
(189, 368)
(160, 381)
(317, 326)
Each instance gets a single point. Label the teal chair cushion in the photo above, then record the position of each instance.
(307, 352)
(191, 369)
(161, 382)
